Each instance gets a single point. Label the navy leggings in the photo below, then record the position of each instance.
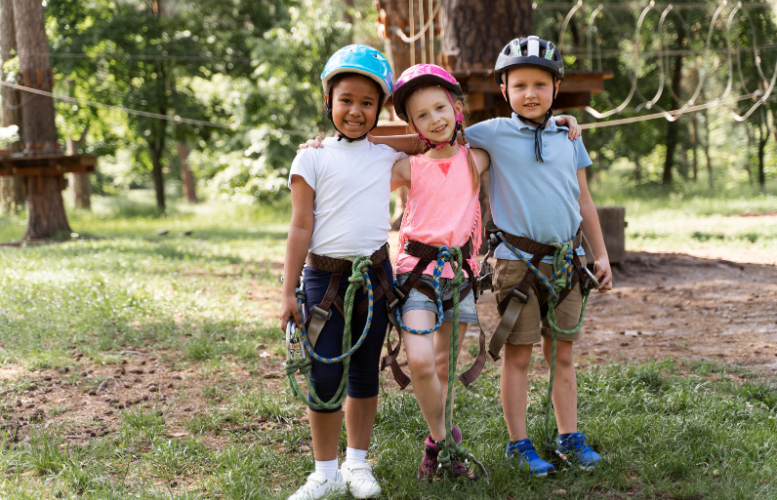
(363, 372)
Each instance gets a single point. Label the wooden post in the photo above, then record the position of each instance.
(47, 210)
(613, 223)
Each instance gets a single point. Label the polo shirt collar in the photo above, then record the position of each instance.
(550, 127)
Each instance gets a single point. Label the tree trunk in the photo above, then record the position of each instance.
(468, 30)
(47, 211)
(11, 188)
(82, 186)
(673, 128)
(156, 172)
(186, 173)
(707, 148)
(763, 133)
(695, 141)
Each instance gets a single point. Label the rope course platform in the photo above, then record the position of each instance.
(16, 165)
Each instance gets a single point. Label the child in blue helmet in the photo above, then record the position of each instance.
(340, 210)
(539, 201)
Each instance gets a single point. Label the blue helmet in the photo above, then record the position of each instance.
(363, 60)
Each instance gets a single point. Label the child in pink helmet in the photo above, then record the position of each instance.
(442, 210)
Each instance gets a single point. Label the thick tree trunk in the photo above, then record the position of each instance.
(473, 33)
(82, 186)
(47, 211)
(186, 173)
(11, 188)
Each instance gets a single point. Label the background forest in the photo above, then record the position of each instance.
(246, 76)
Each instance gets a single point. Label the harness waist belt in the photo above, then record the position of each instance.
(529, 245)
(332, 265)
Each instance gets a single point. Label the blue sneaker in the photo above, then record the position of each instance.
(528, 458)
(574, 448)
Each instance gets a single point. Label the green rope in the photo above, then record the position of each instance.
(449, 447)
(303, 365)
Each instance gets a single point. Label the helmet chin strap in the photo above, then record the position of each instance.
(539, 126)
(439, 145)
(340, 135)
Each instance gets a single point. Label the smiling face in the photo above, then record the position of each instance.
(531, 91)
(355, 105)
(430, 110)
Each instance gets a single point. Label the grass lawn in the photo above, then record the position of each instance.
(202, 307)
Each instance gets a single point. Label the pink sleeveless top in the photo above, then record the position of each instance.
(442, 209)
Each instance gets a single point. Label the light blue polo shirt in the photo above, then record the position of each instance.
(537, 200)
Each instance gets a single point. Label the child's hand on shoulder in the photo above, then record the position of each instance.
(289, 310)
(311, 143)
(571, 123)
(603, 274)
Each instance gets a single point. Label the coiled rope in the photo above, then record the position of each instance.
(302, 364)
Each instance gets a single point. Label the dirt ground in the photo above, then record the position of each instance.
(664, 305)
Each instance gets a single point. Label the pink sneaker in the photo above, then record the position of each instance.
(430, 470)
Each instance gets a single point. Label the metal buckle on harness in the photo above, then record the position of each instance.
(519, 296)
(399, 298)
(295, 349)
(320, 313)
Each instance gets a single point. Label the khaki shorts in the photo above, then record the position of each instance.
(530, 326)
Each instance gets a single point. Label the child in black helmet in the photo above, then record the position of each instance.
(539, 197)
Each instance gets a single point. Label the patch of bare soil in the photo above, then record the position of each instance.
(85, 402)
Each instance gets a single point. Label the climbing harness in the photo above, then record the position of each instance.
(426, 255)
(456, 257)
(568, 271)
(300, 344)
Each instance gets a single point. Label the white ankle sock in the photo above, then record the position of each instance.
(328, 468)
(354, 455)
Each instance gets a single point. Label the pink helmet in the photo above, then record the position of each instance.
(422, 75)
(418, 76)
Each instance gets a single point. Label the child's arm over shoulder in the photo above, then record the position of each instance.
(408, 144)
(400, 174)
(593, 234)
(483, 159)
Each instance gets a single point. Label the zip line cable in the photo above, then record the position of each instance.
(145, 114)
(674, 114)
(703, 68)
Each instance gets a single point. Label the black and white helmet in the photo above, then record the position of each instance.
(532, 51)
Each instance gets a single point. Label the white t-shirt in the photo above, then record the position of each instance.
(352, 184)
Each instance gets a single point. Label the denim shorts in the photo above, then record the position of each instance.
(419, 301)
